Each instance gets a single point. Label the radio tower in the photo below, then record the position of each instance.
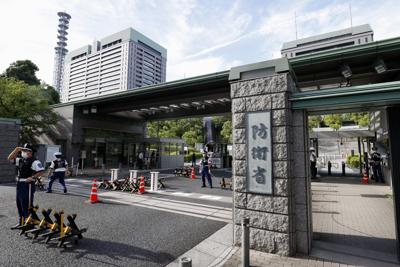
(61, 51)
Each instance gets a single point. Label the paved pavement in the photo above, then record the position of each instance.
(124, 230)
(353, 226)
(211, 252)
(260, 259)
(353, 223)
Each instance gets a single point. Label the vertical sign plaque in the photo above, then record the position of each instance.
(259, 152)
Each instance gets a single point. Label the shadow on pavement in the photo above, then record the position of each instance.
(365, 246)
(115, 251)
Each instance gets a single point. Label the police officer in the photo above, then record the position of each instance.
(59, 166)
(205, 170)
(376, 165)
(29, 168)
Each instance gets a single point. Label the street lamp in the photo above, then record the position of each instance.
(346, 71)
(93, 109)
(380, 66)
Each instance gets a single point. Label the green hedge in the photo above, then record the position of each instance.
(354, 161)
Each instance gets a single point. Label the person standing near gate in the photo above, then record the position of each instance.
(205, 170)
(376, 165)
(58, 167)
(313, 163)
(29, 168)
(193, 159)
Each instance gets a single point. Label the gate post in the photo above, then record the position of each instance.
(278, 205)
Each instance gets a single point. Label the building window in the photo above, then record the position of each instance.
(359, 41)
(366, 39)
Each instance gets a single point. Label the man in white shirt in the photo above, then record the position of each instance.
(29, 168)
(59, 167)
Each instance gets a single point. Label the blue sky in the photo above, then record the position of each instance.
(202, 36)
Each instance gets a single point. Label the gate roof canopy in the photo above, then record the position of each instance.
(323, 89)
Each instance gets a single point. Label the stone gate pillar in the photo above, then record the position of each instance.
(280, 220)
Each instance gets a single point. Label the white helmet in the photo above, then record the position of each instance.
(57, 154)
(312, 149)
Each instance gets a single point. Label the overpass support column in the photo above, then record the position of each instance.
(280, 220)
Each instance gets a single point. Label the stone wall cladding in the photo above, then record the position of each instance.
(9, 137)
(279, 223)
(270, 216)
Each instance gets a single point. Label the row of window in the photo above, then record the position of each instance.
(111, 44)
(79, 56)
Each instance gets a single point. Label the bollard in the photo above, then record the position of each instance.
(185, 262)
(245, 242)
(152, 181)
(133, 176)
(155, 181)
(114, 175)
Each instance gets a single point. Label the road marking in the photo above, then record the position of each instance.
(157, 202)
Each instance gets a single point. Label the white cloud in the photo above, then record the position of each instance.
(195, 32)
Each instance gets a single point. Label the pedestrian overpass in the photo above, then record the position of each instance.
(350, 79)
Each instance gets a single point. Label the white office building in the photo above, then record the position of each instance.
(119, 62)
(351, 36)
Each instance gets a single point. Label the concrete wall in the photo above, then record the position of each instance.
(280, 223)
(9, 138)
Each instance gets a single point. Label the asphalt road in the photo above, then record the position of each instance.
(118, 234)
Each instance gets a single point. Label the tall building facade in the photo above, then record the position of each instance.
(119, 62)
(61, 50)
(351, 36)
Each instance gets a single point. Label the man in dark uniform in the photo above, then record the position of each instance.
(376, 165)
(59, 166)
(28, 169)
(205, 170)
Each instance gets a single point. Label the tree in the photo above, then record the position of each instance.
(314, 121)
(334, 121)
(23, 70)
(361, 118)
(29, 104)
(51, 94)
(175, 128)
(226, 131)
(190, 130)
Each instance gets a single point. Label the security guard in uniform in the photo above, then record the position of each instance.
(205, 170)
(28, 169)
(60, 167)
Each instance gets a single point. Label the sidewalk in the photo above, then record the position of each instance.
(353, 222)
(353, 225)
(260, 259)
(213, 251)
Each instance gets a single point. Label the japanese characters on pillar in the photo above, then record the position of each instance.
(259, 152)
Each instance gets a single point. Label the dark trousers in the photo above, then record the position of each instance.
(377, 169)
(313, 167)
(206, 172)
(57, 175)
(24, 201)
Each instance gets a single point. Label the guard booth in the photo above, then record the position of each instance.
(123, 151)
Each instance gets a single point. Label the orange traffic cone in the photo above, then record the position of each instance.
(193, 174)
(365, 179)
(93, 193)
(141, 186)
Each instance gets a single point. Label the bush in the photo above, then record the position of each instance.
(353, 161)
